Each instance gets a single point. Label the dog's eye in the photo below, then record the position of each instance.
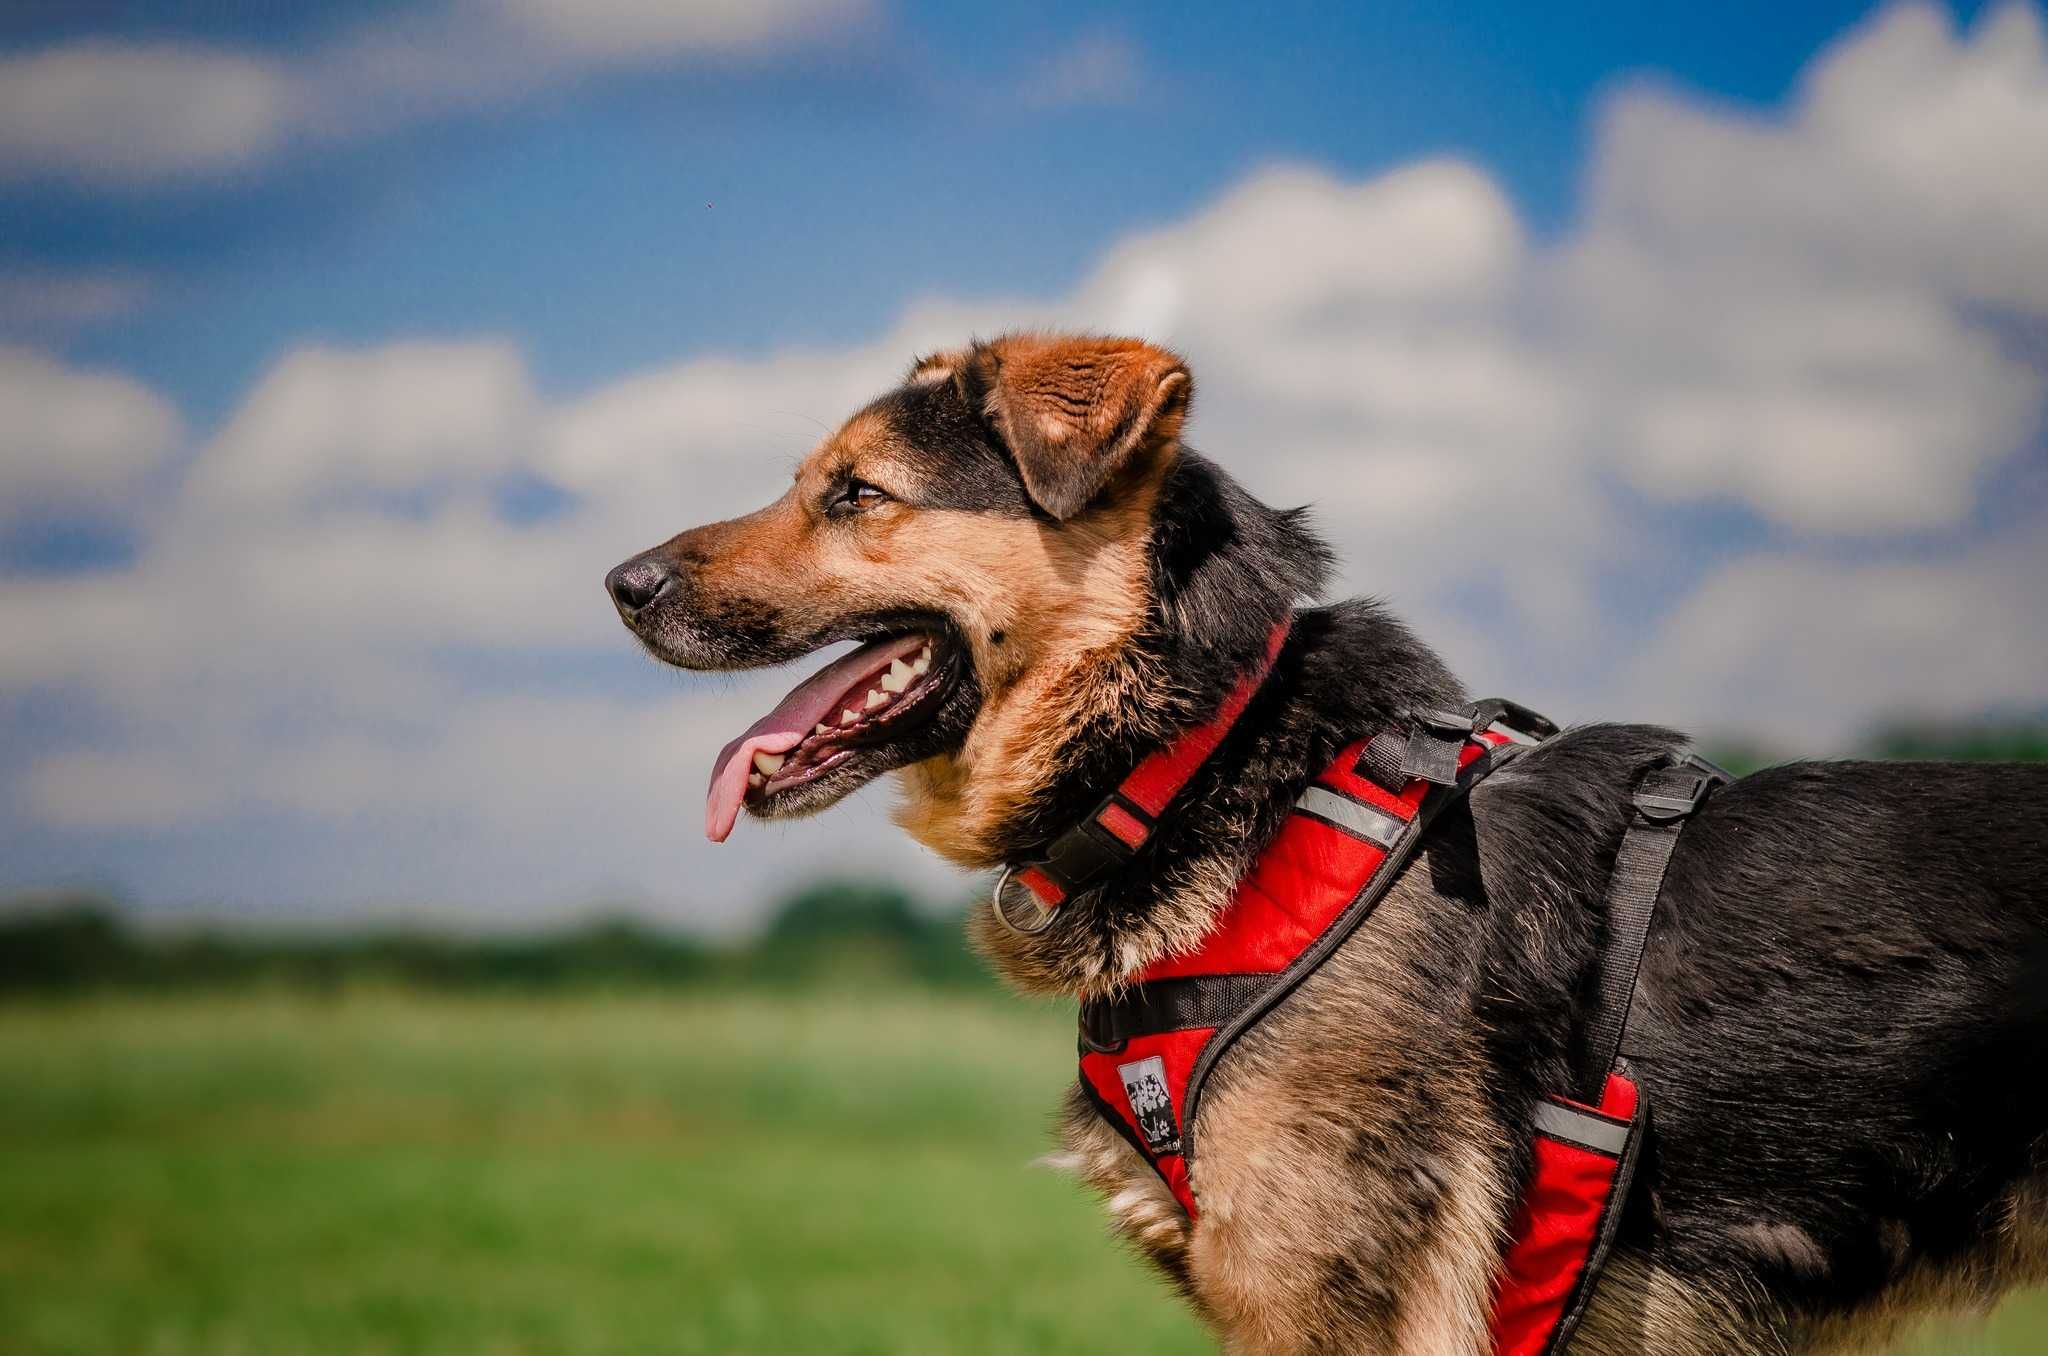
(857, 497)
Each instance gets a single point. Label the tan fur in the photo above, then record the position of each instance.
(1066, 601)
(1643, 1310)
(1076, 411)
(2015, 1254)
(1352, 1172)
(1048, 610)
(1311, 1197)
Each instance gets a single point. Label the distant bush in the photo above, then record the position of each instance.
(68, 943)
(1919, 741)
(80, 943)
(1971, 743)
(858, 931)
(832, 932)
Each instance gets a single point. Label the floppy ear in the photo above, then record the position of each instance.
(1076, 411)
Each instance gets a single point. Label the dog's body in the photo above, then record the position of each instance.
(1838, 1006)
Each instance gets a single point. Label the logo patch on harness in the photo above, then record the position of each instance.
(1145, 1086)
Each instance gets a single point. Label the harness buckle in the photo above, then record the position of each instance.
(1088, 851)
(1463, 723)
(1512, 720)
(1670, 794)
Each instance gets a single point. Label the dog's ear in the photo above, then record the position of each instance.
(1076, 411)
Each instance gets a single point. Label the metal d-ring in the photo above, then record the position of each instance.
(995, 900)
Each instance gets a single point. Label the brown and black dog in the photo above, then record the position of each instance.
(1841, 1007)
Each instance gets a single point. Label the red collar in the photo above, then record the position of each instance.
(1124, 821)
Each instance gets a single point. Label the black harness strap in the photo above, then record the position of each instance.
(1108, 1024)
(1665, 799)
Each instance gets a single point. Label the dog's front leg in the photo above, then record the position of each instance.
(1319, 1235)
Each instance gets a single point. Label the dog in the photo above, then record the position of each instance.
(1839, 1015)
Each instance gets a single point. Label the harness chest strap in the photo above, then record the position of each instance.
(1145, 1055)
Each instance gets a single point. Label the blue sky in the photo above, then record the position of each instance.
(631, 220)
(1738, 308)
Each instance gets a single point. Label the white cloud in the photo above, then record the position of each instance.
(644, 31)
(406, 417)
(114, 114)
(1807, 654)
(1788, 314)
(71, 438)
(319, 624)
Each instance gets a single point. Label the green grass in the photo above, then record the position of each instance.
(379, 1173)
(386, 1174)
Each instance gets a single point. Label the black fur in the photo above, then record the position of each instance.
(1844, 993)
(961, 463)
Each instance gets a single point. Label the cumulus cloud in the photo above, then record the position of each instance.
(133, 114)
(406, 417)
(72, 438)
(110, 112)
(1790, 314)
(1802, 653)
(337, 623)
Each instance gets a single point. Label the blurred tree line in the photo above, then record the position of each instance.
(853, 933)
(850, 932)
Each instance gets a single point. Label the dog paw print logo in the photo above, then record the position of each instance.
(1145, 1086)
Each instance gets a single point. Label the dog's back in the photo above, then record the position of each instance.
(1840, 1024)
(1842, 1019)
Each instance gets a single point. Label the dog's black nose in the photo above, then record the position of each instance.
(639, 582)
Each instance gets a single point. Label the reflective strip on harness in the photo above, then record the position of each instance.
(1579, 1170)
(1374, 826)
(1567, 1124)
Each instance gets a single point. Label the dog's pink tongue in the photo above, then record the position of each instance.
(784, 728)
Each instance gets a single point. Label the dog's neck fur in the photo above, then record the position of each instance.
(1224, 568)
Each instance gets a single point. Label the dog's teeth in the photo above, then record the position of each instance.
(768, 763)
(756, 779)
(926, 653)
(898, 676)
(848, 716)
(924, 663)
(875, 698)
(823, 728)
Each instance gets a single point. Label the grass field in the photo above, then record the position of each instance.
(381, 1173)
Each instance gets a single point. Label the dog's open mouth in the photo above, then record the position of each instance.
(879, 693)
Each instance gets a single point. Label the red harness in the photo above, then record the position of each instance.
(1146, 1053)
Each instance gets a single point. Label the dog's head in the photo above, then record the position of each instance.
(981, 531)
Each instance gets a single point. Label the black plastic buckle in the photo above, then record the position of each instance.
(1720, 775)
(1462, 723)
(1514, 716)
(1085, 852)
(1670, 794)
